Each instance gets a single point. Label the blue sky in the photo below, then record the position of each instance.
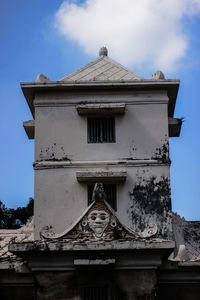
(40, 37)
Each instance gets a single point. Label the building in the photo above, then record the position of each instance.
(103, 225)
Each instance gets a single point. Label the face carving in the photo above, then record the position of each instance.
(98, 221)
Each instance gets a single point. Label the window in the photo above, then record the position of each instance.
(101, 130)
(110, 190)
(95, 293)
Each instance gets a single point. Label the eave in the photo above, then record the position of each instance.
(171, 85)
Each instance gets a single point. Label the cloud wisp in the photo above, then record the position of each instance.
(136, 32)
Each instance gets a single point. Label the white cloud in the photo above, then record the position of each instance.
(134, 31)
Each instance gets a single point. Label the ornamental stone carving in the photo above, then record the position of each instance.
(99, 222)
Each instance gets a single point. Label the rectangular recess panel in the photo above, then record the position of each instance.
(101, 130)
(111, 193)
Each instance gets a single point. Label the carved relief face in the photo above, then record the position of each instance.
(98, 221)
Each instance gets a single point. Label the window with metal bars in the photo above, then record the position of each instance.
(101, 130)
(95, 293)
(111, 194)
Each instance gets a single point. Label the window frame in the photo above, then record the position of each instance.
(104, 132)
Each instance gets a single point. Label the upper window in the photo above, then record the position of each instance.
(101, 130)
(110, 191)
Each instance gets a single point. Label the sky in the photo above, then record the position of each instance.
(57, 37)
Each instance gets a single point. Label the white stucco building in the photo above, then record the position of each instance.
(105, 124)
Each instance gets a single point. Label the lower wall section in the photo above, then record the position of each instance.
(102, 284)
(14, 286)
(179, 291)
(97, 285)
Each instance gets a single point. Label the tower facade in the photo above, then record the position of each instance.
(102, 123)
(103, 225)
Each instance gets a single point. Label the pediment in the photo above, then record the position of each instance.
(98, 222)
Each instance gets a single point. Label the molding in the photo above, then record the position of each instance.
(101, 108)
(65, 102)
(103, 176)
(40, 165)
(153, 244)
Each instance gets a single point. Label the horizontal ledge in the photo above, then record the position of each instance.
(171, 85)
(115, 163)
(104, 176)
(94, 262)
(66, 103)
(174, 127)
(101, 108)
(54, 246)
(173, 123)
(113, 83)
(29, 127)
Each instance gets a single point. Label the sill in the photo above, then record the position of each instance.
(101, 109)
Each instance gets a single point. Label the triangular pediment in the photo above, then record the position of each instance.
(102, 69)
(98, 222)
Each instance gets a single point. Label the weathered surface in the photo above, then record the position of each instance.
(187, 237)
(138, 285)
(76, 245)
(150, 203)
(109, 176)
(158, 75)
(99, 222)
(162, 153)
(62, 150)
(51, 286)
(8, 236)
(101, 109)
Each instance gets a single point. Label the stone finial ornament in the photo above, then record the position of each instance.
(41, 78)
(103, 51)
(158, 75)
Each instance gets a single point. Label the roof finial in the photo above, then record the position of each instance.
(103, 51)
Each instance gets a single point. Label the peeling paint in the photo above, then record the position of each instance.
(162, 153)
(55, 152)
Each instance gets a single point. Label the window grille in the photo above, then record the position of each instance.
(111, 194)
(95, 293)
(101, 130)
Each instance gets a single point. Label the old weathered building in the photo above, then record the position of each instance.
(103, 225)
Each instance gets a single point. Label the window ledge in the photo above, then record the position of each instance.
(101, 109)
(103, 176)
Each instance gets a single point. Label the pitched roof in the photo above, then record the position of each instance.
(102, 69)
(9, 236)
